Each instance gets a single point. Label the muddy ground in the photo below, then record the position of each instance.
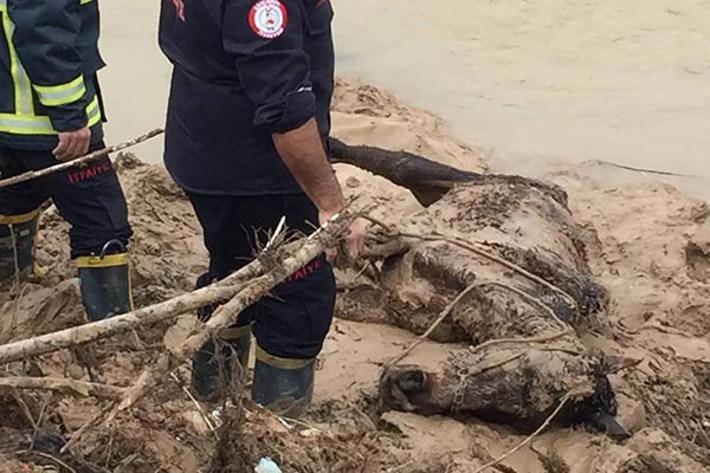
(647, 243)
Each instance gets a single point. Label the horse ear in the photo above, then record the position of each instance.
(614, 364)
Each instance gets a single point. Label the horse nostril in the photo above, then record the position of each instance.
(413, 382)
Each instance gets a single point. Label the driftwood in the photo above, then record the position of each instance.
(51, 342)
(28, 176)
(219, 291)
(496, 262)
(279, 265)
(63, 385)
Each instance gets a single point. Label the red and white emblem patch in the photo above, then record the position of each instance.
(268, 18)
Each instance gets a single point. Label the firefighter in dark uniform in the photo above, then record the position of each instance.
(50, 111)
(246, 137)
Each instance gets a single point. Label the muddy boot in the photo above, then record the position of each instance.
(105, 283)
(17, 245)
(208, 380)
(282, 385)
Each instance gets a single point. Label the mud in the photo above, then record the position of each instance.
(636, 238)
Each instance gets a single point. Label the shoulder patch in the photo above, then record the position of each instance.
(268, 18)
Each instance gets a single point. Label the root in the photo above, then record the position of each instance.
(529, 438)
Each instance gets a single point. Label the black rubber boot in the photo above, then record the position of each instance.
(282, 385)
(208, 381)
(105, 283)
(17, 245)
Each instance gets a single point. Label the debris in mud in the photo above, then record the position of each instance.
(631, 241)
(522, 254)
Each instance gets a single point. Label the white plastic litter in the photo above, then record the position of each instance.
(267, 465)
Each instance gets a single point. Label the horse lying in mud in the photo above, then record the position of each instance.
(508, 250)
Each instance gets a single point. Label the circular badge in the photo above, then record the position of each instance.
(268, 18)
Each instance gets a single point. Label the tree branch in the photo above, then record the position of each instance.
(280, 266)
(81, 388)
(30, 175)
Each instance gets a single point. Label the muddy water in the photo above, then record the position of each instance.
(531, 81)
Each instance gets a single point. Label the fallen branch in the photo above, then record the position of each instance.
(279, 268)
(55, 341)
(227, 314)
(528, 439)
(30, 175)
(51, 342)
(63, 385)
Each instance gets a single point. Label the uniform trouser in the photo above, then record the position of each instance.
(293, 321)
(90, 198)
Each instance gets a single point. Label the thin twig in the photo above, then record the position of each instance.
(479, 249)
(566, 329)
(88, 425)
(15, 313)
(498, 364)
(445, 313)
(28, 176)
(648, 171)
(536, 302)
(48, 457)
(277, 233)
(528, 439)
(283, 266)
(63, 385)
(25, 409)
(202, 412)
(501, 341)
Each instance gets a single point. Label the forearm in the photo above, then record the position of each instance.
(302, 152)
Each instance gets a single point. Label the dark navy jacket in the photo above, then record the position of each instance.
(49, 57)
(243, 70)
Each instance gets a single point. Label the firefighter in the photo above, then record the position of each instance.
(246, 138)
(51, 111)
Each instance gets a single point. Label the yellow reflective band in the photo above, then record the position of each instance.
(234, 333)
(63, 94)
(23, 88)
(108, 261)
(18, 219)
(84, 2)
(281, 363)
(41, 125)
(93, 112)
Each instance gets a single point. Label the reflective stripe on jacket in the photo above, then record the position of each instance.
(48, 60)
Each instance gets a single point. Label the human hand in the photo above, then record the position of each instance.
(73, 144)
(355, 240)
